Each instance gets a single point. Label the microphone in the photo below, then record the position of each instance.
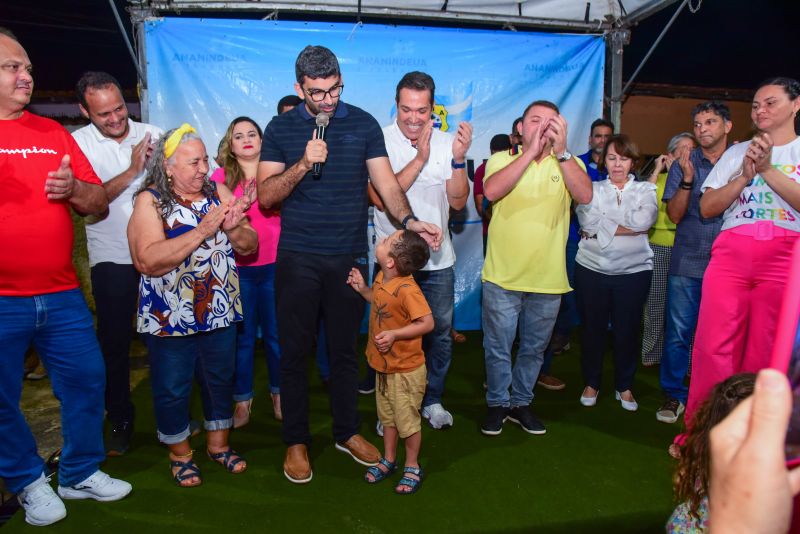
(322, 124)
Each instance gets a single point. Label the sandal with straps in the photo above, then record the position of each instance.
(379, 474)
(228, 459)
(413, 483)
(188, 470)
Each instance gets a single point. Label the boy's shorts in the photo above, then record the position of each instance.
(399, 403)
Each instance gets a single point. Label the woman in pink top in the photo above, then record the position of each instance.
(241, 150)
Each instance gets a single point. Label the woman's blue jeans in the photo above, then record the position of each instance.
(208, 357)
(257, 285)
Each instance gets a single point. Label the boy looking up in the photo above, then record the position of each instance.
(399, 317)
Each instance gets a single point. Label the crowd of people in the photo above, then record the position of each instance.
(274, 240)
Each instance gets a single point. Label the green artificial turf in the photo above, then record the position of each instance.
(598, 469)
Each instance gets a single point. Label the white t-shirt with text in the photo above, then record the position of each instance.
(758, 202)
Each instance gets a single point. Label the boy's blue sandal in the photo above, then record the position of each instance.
(413, 483)
(188, 469)
(379, 474)
(228, 459)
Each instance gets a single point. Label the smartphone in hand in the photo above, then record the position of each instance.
(786, 351)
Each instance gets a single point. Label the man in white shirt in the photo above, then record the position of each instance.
(431, 168)
(117, 148)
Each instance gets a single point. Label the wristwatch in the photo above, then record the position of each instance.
(409, 217)
(455, 165)
(566, 156)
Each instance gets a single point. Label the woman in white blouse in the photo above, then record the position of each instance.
(614, 268)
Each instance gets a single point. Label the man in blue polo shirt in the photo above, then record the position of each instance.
(323, 236)
(691, 253)
(600, 132)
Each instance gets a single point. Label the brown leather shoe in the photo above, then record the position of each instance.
(550, 382)
(296, 466)
(361, 450)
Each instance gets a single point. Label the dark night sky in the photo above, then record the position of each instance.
(728, 43)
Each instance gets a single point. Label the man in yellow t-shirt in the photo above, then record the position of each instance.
(524, 274)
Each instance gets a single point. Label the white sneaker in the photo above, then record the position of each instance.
(42, 505)
(437, 416)
(379, 428)
(99, 487)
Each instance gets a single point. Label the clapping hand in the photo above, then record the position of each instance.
(663, 163)
(140, 154)
(760, 151)
(556, 132)
(235, 213)
(424, 142)
(211, 221)
(462, 141)
(535, 142)
(686, 166)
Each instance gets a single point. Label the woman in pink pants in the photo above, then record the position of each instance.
(756, 184)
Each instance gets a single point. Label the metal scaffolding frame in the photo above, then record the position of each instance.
(616, 28)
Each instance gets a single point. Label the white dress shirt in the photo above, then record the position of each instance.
(635, 207)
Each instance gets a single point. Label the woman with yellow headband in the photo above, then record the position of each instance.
(183, 234)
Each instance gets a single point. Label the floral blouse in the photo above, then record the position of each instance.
(200, 294)
(683, 522)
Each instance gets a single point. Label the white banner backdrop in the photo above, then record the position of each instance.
(209, 71)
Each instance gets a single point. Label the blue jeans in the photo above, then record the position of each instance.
(568, 313)
(502, 310)
(683, 305)
(60, 327)
(257, 286)
(437, 286)
(210, 358)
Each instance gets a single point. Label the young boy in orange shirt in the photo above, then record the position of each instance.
(399, 317)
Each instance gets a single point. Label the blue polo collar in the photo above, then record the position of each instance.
(340, 113)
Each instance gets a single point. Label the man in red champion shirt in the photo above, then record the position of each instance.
(44, 173)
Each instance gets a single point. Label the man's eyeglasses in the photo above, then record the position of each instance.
(318, 95)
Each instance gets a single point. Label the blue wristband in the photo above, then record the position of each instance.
(455, 165)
